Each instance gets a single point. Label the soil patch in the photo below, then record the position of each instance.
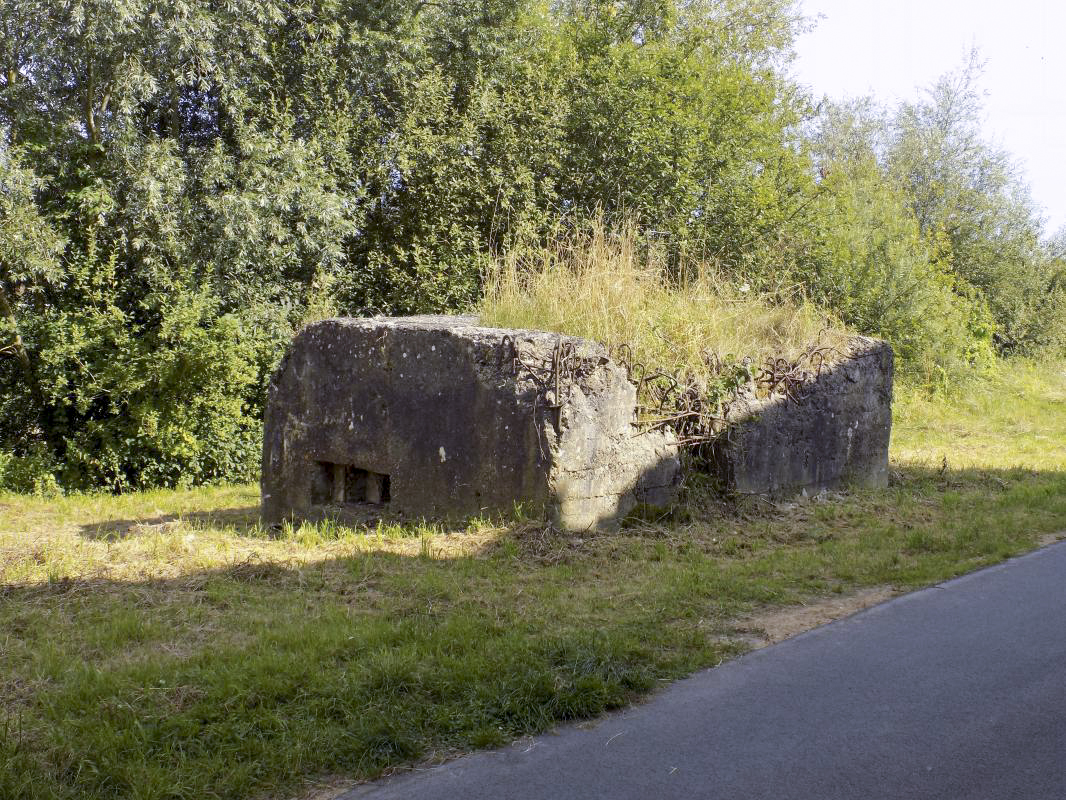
(775, 625)
(327, 788)
(1050, 538)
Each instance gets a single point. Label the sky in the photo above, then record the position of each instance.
(893, 49)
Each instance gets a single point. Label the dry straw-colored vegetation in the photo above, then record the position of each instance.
(612, 286)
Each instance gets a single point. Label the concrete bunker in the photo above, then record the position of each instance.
(834, 434)
(438, 417)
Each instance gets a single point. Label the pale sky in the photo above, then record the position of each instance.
(890, 49)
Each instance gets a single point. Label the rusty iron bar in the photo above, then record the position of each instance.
(677, 401)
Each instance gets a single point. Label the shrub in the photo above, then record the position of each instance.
(33, 472)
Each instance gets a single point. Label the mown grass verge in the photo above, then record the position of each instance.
(162, 645)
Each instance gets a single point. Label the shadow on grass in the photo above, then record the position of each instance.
(233, 681)
(244, 520)
(239, 679)
(943, 477)
(702, 504)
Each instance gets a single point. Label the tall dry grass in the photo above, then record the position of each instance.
(610, 286)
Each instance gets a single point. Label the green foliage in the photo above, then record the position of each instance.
(177, 241)
(929, 235)
(159, 404)
(969, 196)
(33, 472)
(681, 115)
(183, 184)
(879, 272)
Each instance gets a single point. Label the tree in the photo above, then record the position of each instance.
(971, 198)
(132, 368)
(682, 116)
(879, 272)
(29, 250)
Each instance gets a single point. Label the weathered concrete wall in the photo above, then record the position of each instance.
(837, 436)
(435, 417)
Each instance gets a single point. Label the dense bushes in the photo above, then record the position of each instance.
(183, 183)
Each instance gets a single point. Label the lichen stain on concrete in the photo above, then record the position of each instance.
(482, 421)
(484, 418)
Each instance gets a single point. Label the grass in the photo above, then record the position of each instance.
(1016, 416)
(162, 645)
(607, 286)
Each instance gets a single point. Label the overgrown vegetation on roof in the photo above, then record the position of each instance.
(690, 339)
(615, 287)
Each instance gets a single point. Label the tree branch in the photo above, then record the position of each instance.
(90, 89)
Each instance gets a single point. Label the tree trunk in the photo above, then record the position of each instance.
(90, 92)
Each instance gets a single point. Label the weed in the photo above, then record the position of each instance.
(682, 319)
(163, 644)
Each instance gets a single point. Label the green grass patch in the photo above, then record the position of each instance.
(163, 645)
(1015, 416)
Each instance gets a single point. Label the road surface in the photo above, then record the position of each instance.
(958, 691)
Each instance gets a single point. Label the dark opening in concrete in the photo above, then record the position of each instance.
(343, 483)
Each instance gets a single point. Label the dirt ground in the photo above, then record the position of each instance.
(775, 625)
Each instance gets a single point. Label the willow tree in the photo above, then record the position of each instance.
(971, 197)
(201, 177)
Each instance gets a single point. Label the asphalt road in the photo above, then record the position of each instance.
(958, 691)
